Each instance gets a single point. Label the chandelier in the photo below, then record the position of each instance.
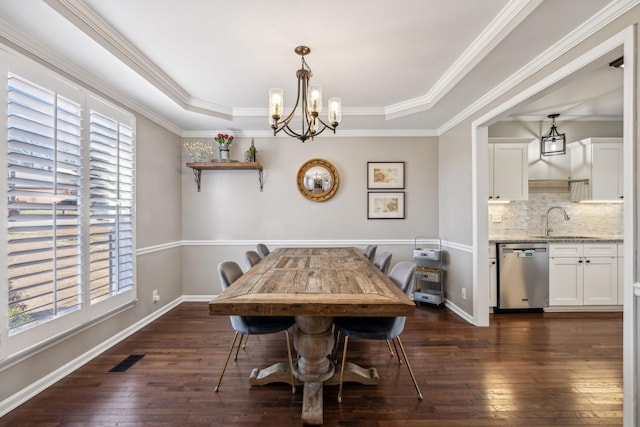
(310, 99)
(553, 143)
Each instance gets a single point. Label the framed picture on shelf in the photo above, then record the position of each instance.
(385, 205)
(385, 175)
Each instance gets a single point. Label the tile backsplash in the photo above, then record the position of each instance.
(528, 217)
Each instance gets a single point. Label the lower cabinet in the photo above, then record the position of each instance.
(583, 274)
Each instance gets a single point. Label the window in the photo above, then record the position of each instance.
(111, 211)
(70, 207)
(43, 155)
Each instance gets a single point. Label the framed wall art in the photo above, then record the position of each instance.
(385, 205)
(385, 175)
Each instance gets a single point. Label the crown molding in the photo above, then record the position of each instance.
(387, 133)
(515, 140)
(84, 18)
(508, 19)
(349, 111)
(89, 22)
(565, 118)
(587, 29)
(79, 13)
(21, 43)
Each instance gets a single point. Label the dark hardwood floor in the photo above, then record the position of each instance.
(523, 370)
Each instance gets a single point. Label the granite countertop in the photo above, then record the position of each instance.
(556, 239)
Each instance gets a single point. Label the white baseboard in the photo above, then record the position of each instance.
(583, 309)
(43, 383)
(197, 298)
(457, 310)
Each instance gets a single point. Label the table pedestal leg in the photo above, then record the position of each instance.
(313, 341)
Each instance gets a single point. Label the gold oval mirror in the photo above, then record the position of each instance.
(318, 180)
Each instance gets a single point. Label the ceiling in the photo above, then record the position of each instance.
(410, 67)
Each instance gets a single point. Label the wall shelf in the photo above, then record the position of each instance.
(198, 167)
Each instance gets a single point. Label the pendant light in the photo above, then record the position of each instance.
(553, 143)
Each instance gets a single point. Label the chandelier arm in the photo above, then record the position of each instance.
(323, 129)
(333, 128)
(283, 124)
(302, 137)
(320, 131)
(295, 107)
(291, 132)
(307, 118)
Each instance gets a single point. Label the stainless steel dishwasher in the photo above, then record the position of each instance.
(523, 276)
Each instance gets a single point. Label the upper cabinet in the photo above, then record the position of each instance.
(600, 161)
(508, 171)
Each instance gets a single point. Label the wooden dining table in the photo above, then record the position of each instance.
(314, 285)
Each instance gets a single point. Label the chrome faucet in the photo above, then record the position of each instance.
(566, 218)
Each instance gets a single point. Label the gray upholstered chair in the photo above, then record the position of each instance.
(251, 258)
(229, 272)
(379, 328)
(383, 261)
(263, 250)
(370, 252)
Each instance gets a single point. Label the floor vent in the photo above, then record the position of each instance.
(127, 363)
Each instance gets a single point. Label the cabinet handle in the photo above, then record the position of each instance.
(579, 261)
(588, 260)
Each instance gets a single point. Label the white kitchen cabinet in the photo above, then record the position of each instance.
(600, 281)
(600, 161)
(493, 277)
(583, 274)
(508, 171)
(565, 281)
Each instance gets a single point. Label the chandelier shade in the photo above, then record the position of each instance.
(309, 99)
(554, 143)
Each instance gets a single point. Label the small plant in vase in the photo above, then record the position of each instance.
(224, 141)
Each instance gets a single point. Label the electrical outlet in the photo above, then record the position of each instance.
(496, 217)
(156, 297)
(464, 293)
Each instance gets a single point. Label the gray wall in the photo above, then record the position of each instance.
(158, 196)
(230, 214)
(456, 213)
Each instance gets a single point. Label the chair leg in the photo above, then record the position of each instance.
(397, 352)
(244, 345)
(342, 363)
(390, 349)
(293, 381)
(224, 368)
(336, 345)
(238, 349)
(404, 354)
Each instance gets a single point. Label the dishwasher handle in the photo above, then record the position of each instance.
(524, 252)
